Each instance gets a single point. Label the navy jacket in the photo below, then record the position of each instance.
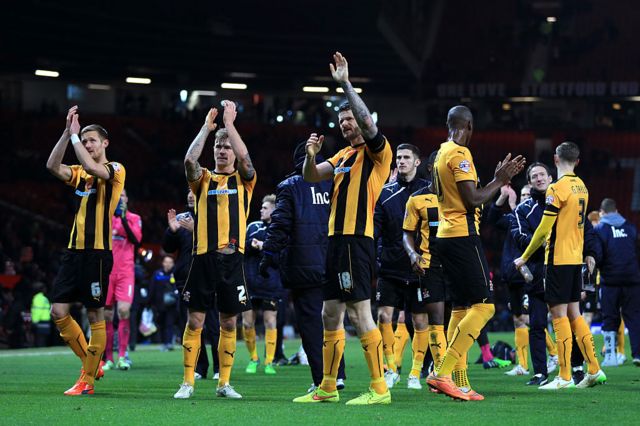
(259, 286)
(393, 261)
(616, 251)
(180, 241)
(528, 215)
(298, 231)
(504, 221)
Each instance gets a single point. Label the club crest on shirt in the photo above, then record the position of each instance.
(550, 199)
(465, 166)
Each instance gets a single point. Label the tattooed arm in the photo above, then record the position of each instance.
(245, 166)
(340, 73)
(191, 165)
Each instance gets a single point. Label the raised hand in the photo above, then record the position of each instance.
(74, 128)
(230, 112)
(186, 223)
(72, 111)
(314, 144)
(508, 168)
(210, 119)
(173, 222)
(339, 72)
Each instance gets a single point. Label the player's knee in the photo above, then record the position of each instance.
(196, 322)
(384, 317)
(519, 321)
(58, 312)
(420, 322)
(122, 313)
(228, 324)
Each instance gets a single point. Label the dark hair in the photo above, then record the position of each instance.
(536, 164)
(414, 149)
(345, 106)
(96, 128)
(608, 205)
(568, 152)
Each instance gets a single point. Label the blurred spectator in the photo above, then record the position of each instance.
(40, 315)
(164, 299)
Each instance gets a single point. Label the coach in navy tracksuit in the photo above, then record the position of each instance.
(298, 234)
(528, 215)
(619, 279)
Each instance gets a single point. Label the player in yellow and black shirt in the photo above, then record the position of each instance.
(359, 171)
(463, 260)
(420, 226)
(221, 208)
(563, 227)
(86, 265)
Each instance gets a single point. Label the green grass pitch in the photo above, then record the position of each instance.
(32, 382)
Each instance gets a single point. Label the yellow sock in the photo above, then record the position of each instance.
(456, 316)
(562, 328)
(437, 343)
(372, 346)
(620, 337)
(388, 342)
(419, 348)
(95, 350)
(250, 340)
(226, 354)
(464, 335)
(461, 379)
(270, 340)
(73, 336)
(585, 343)
(522, 346)
(332, 350)
(551, 344)
(401, 337)
(190, 351)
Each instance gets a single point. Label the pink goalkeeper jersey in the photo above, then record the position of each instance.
(123, 249)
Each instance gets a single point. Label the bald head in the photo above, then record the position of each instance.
(459, 117)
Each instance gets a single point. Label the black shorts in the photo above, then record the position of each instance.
(562, 283)
(83, 277)
(412, 296)
(465, 266)
(350, 261)
(516, 299)
(217, 277)
(264, 303)
(393, 292)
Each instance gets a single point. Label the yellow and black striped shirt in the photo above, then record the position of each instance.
(359, 174)
(567, 199)
(221, 211)
(96, 200)
(421, 214)
(454, 164)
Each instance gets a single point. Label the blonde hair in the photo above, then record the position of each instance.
(271, 198)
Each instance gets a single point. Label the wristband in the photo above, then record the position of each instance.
(75, 139)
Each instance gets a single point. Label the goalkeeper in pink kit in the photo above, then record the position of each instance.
(127, 234)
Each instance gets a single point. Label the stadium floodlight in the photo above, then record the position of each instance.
(506, 107)
(552, 19)
(525, 99)
(95, 86)
(357, 89)
(332, 124)
(315, 89)
(205, 93)
(47, 73)
(138, 80)
(279, 119)
(234, 86)
(616, 106)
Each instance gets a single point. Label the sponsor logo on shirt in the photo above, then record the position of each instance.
(550, 199)
(339, 170)
(222, 191)
(85, 193)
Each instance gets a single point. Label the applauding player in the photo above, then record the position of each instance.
(222, 203)
(84, 274)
